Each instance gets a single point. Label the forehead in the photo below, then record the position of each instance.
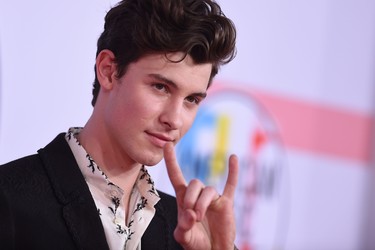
(174, 66)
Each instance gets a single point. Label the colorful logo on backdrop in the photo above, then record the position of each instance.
(232, 121)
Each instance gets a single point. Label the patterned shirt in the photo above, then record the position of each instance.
(108, 199)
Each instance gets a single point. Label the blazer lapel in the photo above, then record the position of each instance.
(79, 209)
(159, 233)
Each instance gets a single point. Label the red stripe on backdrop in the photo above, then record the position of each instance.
(315, 127)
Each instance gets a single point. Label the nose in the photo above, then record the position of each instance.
(172, 116)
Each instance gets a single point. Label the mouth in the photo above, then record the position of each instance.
(159, 140)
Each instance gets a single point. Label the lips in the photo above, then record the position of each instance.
(159, 140)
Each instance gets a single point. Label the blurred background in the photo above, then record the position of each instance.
(297, 105)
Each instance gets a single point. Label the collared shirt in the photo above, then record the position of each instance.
(108, 196)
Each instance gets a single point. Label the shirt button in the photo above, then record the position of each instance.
(141, 220)
(117, 221)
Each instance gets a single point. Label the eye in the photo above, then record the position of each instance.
(193, 99)
(160, 86)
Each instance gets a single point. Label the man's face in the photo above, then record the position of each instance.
(154, 102)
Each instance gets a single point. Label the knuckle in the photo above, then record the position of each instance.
(210, 189)
(196, 182)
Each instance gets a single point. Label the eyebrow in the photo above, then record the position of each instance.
(172, 83)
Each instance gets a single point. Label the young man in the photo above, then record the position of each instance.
(89, 188)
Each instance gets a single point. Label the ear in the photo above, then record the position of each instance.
(106, 69)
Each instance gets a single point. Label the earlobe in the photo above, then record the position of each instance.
(106, 69)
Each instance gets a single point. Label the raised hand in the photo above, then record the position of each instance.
(205, 218)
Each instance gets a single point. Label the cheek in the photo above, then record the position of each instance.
(143, 109)
(188, 122)
(118, 111)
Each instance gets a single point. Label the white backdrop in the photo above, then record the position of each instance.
(311, 64)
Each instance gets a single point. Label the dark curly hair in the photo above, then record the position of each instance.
(134, 28)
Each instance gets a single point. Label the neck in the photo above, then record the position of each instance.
(118, 167)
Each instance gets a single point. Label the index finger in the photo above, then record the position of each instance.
(174, 172)
(230, 186)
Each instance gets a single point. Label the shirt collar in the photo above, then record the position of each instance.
(94, 174)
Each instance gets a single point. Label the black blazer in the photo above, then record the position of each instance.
(45, 203)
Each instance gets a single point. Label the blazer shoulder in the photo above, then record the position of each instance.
(26, 167)
(29, 160)
(22, 170)
(21, 162)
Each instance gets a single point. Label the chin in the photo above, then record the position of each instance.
(151, 164)
(149, 155)
(151, 161)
